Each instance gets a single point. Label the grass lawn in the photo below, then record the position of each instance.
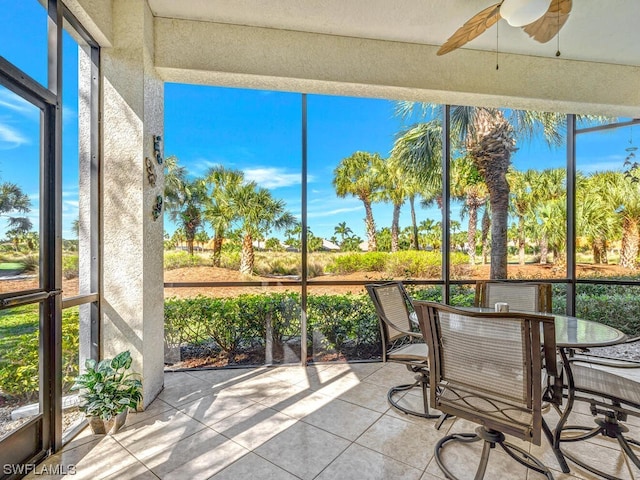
(15, 322)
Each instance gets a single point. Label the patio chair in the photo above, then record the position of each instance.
(524, 297)
(612, 390)
(401, 342)
(487, 368)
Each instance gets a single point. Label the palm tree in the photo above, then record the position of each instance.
(547, 186)
(596, 218)
(624, 197)
(355, 176)
(489, 137)
(222, 184)
(392, 177)
(522, 200)
(467, 184)
(184, 200)
(343, 230)
(258, 212)
(13, 201)
(419, 154)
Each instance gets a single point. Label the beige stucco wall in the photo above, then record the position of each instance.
(220, 54)
(132, 302)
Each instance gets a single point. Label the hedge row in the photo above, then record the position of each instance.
(343, 324)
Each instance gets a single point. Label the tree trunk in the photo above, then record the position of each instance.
(486, 225)
(414, 223)
(630, 242)
(217, 250)
(371, 228)
(544, 249)
(395, 228)
(499, 201)
(247, 256)
(471, 231)
(596, 247)
(521, 240)
(490, 146)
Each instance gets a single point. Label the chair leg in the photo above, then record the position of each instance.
(422, 380)
(491, 438)
(608, 427)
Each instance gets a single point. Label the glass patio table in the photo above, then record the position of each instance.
(574, 332)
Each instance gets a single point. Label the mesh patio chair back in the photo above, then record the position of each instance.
(393, 308)
(524, 297)
(487, 367)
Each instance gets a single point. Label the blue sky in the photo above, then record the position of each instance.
(258, 132)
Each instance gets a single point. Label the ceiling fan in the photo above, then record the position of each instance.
(541, 19)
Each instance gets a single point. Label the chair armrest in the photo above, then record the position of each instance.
(605, 362)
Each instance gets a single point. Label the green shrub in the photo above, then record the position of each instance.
(230, 259)
(19, 365)
(358, 261)
(70, 266)
(343, 319)
(181, 259)
(412, 263)
(31, 263)
(618, 311)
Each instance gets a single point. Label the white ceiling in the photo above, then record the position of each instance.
(597, 30)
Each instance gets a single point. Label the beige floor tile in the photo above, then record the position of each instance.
(226, 377)
(137, 471)
(196, 457)
(92, 460)
(303, 450)
(216, 406)
(367, 395)
(322, 378)
(295, 374)
(253, 426)
(338, 385)
(257, 388)
(343, 419)
(253, 467)
(404, 441)
(155, 408)
(431, 476)
(391, 374)
(146, 438)
(360, 463)
(177, 392)
(297, 401)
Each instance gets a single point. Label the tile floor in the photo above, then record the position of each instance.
(320, 422)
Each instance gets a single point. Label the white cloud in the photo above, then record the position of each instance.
(17, 104)
(329, 213)
(272, 177)
(11, 138)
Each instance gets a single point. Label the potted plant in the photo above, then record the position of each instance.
(107, 390)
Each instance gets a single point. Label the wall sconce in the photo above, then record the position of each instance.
(151, 173)
(157, 208)
(156, 149)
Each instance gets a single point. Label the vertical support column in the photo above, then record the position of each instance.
(571, 214)
(446, 204)
(133, 102)
(89, 198)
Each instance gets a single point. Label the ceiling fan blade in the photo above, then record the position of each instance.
(548, 26)
(473, 27)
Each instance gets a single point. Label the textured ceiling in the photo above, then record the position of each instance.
(597, 31)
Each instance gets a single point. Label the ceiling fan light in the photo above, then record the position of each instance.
(519, 13)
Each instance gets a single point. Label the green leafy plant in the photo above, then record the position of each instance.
(106, 389)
